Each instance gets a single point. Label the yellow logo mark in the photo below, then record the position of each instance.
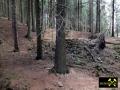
(112, 82)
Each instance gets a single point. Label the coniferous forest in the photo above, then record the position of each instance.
(59, 44)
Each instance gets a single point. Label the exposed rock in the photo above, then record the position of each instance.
(60, 84)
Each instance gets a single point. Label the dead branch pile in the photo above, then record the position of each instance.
(92, 47)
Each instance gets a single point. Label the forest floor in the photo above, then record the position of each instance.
(23, 72)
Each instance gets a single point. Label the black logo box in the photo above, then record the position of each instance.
(104, 83)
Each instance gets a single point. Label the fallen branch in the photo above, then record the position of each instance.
(90, 53)
(112, 43)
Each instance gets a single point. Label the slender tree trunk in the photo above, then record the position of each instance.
(33, 15)
(10, 10)
(3, 1)
(8, 6)
(24, 12)
(5, 8)
(39, 27)
(60, 55)
(21, 11)
(81, 28)
(117, 24)
(67, 15)
(29, 20)
(117, 29)
(1, 8)
(53, 14)
(113, 9)
(90, 16)
(16, 48)
(23, 15)
(98, 16)
(78, 15)
(50, 13)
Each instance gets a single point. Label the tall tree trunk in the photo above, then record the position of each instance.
(98, 16)
(60, 55)
(8, 6)
(5, 8)
(78, 15)
(29, 20)
(21, 11)
(33, 15)
(81, 28)
(117, 29)
(51, 13)
(24, 12)
(16, 48)
(39, 27)
(117, 24)
(90, 16)
(3, 1)
(1, 8)
(113, 9)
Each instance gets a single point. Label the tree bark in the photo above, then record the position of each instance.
(78, 15)
(8, 6)
(51, 13)
(29, 20)
(21, 11)
(39, 27)
(90, 16)
(81, 29)
(113, 9)
(16, 48)
(98, 16)
(33, 15)
(60, 55)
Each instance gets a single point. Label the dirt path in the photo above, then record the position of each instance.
(35, 73)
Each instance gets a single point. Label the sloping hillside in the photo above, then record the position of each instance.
(25, 73)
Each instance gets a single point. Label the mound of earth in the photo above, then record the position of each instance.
(107, 63)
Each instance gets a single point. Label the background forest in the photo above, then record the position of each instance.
(76, 12)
